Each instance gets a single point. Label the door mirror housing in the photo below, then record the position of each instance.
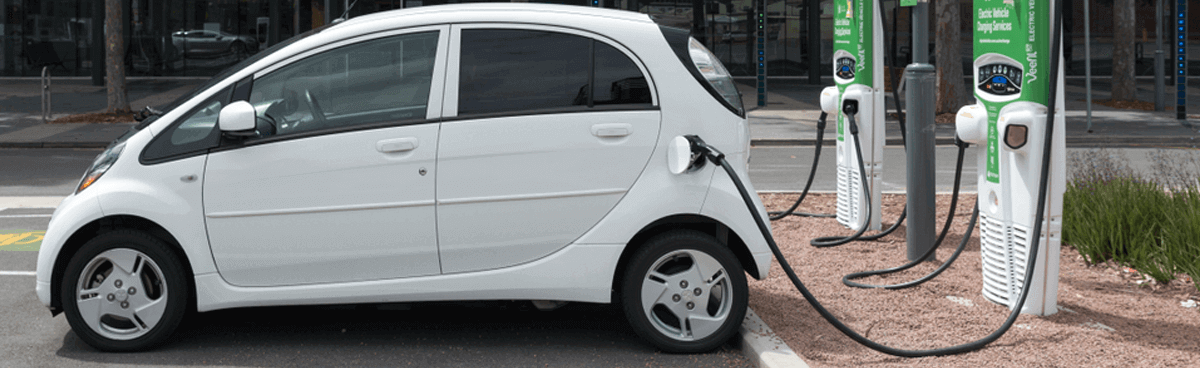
(237, 119)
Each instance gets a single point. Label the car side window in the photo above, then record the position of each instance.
(509, 70)
(195, 132)
(617, 79)
(376, 81)
(505, 70)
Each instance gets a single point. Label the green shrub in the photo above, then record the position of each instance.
(1109, 213)
(1182, 235)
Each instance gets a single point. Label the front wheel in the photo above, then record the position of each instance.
(684, 292)
(124, 291)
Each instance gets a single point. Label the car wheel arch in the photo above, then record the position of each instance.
(723, 233)
(107, 224)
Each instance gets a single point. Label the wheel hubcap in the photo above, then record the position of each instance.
(121, 294)
(680, 312)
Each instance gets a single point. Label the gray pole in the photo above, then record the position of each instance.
(760, 46)
(1159, 88)
(1087, 61)
(814, 42)
(921, 78)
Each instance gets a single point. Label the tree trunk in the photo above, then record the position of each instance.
(948, 31)
(1123, 87)
(114, 57)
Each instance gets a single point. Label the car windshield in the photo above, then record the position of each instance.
(229, 71)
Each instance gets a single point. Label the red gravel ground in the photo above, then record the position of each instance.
(1107, 318)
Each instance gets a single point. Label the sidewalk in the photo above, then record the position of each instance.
(789, 118)
(20, 110)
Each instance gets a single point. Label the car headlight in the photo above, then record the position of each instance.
(103, 162)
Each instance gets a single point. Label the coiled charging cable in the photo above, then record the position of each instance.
(714, 155)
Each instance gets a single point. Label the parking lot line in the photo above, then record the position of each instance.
(30, 202)
(18, 273)
(21, 216)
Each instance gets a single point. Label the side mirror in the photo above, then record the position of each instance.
(237, 120)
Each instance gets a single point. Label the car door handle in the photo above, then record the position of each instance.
(397, 145)
(611, 130)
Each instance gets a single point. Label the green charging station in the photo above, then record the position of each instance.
(858, 73)
(1012, 41)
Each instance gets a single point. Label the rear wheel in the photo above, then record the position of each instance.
(124, 291)
(684, 292)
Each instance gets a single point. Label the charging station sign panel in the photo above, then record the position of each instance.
(853, 47)
(1011, 61)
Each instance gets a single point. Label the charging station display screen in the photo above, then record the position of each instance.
(1000, 79)
(844, 68)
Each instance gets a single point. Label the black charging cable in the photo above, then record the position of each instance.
(850, 108)
(714, 155)
(962, 147)
(791, 211)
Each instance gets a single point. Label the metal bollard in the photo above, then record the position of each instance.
(45, 94)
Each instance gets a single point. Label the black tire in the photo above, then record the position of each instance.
(148, 263)
(669, 255)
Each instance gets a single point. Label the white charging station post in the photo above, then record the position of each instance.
(858, 72)
(1011, 74)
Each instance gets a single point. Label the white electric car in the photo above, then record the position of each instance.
(463, 152)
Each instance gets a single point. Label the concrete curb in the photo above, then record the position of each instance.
(763, 348)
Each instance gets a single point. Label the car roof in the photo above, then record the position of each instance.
(495, 7)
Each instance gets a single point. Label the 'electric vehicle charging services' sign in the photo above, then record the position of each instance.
(1012, 38)
(853, 48)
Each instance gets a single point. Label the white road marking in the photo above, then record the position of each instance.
(30, 202)
(18, 273)
(21, 216)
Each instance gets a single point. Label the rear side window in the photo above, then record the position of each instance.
(618, 79)
(515, 70)
(509, 70)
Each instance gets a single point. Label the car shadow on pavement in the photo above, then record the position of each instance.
(502, 333)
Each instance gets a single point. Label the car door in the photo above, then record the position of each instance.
(340, 185)
(535, 149)
(204, 42)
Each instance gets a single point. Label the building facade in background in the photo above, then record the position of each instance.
(202, 37)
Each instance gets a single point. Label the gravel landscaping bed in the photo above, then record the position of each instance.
(1109, 315)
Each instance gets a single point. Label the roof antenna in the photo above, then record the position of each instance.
(347, 12)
